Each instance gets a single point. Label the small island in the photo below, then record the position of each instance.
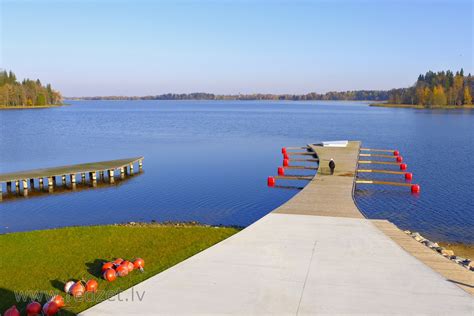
(443, 89)
(26, 94)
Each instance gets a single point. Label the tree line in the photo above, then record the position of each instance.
(27, 93)
(360, 95)
(443, 88)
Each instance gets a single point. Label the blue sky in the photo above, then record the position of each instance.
(87, 48)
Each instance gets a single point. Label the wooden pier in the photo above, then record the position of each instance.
(25, 180)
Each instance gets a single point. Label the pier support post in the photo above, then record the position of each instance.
(122, 173)
(1, 191)
(101, 175)
(140, 165)
(73, 180)
(83, 178)
(9, 187)
(50, 184)
(41, 185)
(25, 187)
(93, 178)
(17, 186)
(111, 175)
(131, 169)
(54, 180)
(63, 180)
(32, 184)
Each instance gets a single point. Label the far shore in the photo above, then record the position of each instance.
(415, 106)
(26, 107)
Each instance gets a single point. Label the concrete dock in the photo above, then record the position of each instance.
(315, 254)
(25, 180)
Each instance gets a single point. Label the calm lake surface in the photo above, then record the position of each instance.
(208, 161)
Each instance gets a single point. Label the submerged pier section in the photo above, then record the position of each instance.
(25, 180)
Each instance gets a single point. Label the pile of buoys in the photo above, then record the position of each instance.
(34, 308)
(121, 268)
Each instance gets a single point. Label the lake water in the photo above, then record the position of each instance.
(208, 161)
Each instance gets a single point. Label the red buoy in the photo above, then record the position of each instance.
(271, 181)
(107, 265)
(139, 264)
(58, 299)
(399, 158)
(408, 176)
(91, 286)
(110, 275)
(403, 166)
(415, 188)
(285, 156)
(285, 163)
(283, 150)
(396, 153)
(33, 309)
(281, 171)
(50, 308)
(12, 311)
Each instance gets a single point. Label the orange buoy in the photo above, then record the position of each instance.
(415, 188)
(408, 176)
(107, 265)
(281, 171)
(403, 166)
(118, 261)
(50, 308)
(122, 270)
(396, 153)
(285, 162)
(270, 183)
(129, 265)
(58, 299)
(78, 289)
(12, 311)
(139, 263)
(91, 286)
(33, 309)
(399, 158)
(283, 150)
(109, 275)
(68, 286)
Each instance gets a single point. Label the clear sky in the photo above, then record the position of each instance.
(138, 47)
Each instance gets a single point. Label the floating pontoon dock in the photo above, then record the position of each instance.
(316, 254)
(104, 168)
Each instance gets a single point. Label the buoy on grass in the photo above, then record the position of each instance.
(58, 299)
(68, 286)
(91, 286)
(107, 265)
(109, 275)
(50, 308)
(139, 263)
(12, 311)
(33, 309)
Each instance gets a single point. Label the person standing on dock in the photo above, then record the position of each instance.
(332, 166)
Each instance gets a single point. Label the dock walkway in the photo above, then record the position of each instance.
(91, 169)
(315, 254)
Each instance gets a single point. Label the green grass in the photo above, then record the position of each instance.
(25, 107)
(44, 260)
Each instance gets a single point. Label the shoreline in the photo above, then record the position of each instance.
(29, 107)
(414, 106)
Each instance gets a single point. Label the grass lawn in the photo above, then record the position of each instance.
(44, 260)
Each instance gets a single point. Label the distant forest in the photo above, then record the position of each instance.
(437, 90)
(366, 95)
(27, 93)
